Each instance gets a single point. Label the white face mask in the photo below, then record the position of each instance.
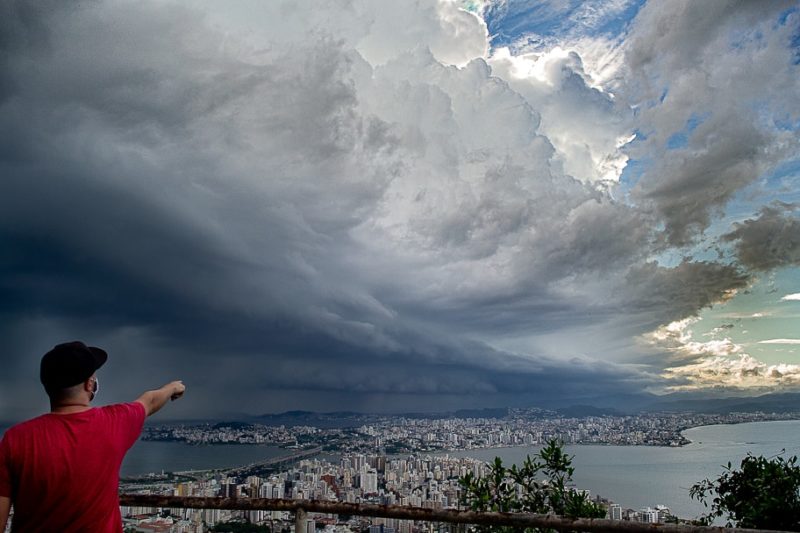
(96, 388)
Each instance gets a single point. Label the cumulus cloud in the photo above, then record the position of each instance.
(743, 372)
(718, 363)
(585, 124)
(454, 36)
(791, 297)
(676, 339)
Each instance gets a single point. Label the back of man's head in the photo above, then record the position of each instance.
(67, 366)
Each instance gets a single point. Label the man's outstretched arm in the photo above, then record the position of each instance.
(5, 508)
(153, 400)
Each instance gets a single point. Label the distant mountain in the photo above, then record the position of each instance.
(769, 403)
(614, 405)
(623, 403)
(489, 412)
(481, 413)
(343, 419)
(233, 425)
(338, 419)
(580, 411)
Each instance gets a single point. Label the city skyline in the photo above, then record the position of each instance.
(401, 206)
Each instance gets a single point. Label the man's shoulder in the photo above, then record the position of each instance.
(124, 409)
(30, 423)
(26, 426)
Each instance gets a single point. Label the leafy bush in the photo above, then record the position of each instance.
(522, 489)
(762, 494)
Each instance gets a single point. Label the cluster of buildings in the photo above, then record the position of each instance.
(430, 482)
(228, 433)
(521, 427)
(648, 515)
(427, 482)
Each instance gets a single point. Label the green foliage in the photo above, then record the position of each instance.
(762, 494)
(538, 486)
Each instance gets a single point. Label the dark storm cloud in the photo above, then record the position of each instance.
(684, 289)
(770, 241)
(704, 178)
(675, 33)
(157, 187)
(705, 117)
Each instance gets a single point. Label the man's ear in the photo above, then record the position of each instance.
(88, 385)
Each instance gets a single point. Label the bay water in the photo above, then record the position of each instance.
(641, 476)
(154, 456)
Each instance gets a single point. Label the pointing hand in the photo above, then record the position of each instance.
(178, 388)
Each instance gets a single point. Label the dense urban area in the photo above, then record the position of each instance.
(385, 460)
(521, 427)
(419, 481)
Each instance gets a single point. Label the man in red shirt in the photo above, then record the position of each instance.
(61, 470)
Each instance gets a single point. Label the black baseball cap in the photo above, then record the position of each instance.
(70, 363)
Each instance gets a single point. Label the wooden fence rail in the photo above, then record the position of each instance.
(518, 520)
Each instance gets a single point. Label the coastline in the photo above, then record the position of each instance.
(673, 439)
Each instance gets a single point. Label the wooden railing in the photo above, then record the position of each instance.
(518, 520)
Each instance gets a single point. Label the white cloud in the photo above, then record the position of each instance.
(717, 363)
(757, 314)
(791, 297)
(675, 333)
(742, 372)
(583, 121)
(676, 339)
(454, 35)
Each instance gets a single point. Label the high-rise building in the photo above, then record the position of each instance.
(369, 482)
(358, 461)
(649, 515)
(229, 490)
(615, 511)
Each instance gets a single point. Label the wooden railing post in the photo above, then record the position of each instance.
(300, 520)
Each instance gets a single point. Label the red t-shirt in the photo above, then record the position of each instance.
(62, 471)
